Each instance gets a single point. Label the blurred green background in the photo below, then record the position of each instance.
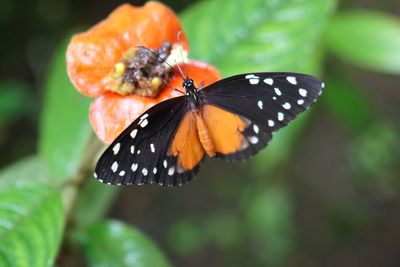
(325, 192)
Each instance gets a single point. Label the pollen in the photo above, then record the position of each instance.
(155, 83)
(140, 71)
(177, 55)
(120, 68)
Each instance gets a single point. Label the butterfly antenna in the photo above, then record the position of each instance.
(180, 70)
(180, 51)
(169, 86)
(163, 60)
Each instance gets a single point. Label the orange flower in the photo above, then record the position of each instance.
(106, 63)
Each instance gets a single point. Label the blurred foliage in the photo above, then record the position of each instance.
(369, 39)
(269, 220)
(93, 192)
(113, 243)
(375, 153)
(269, 211)
(14, 101)
(358, 113)
(64, 129)
(261, 38)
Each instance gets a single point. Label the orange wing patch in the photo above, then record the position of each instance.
(224, 128)
(186, 144)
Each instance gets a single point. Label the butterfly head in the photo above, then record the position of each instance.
(188, 84)
(192, 92)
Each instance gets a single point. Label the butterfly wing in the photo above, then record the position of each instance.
(262, 104)
(144, 152)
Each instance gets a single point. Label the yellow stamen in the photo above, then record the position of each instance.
(155, 83)
(120, 68)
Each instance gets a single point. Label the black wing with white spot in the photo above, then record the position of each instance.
(268, 101)
(139, 155)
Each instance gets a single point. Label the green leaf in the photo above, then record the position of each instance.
(64, 129)
(369, 39)
(116, 244)
(31, 168)
(31, 216)
(242, 36)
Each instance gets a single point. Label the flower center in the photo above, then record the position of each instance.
(142, 71)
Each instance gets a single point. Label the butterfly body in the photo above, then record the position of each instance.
(196, 101)
(231, 119)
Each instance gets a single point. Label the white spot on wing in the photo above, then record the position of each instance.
(260, 104)
(249, 76)
(271, 123)
(114, 166)
(144, 171)
(303, 92)
(132, 149)
(254, 81)
(277, 91)
(269, 81)
(144, 123)
(116, 148)
(154, 170)
(281, 116)
(291, 79)
(253, 139)
(322, 85)
(171, 171)
(121, 173)
(133, 133)
(165, 163)
(256, 129)
(144, 116)
(95, 175)
(286, 105)
(134, 167)
(300, 101)
(152, 148)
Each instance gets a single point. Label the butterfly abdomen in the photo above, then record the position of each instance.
(204, 134)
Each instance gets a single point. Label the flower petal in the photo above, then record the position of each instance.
(111, 113)
(92, 55)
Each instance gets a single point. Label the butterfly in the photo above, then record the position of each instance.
(231, 119)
